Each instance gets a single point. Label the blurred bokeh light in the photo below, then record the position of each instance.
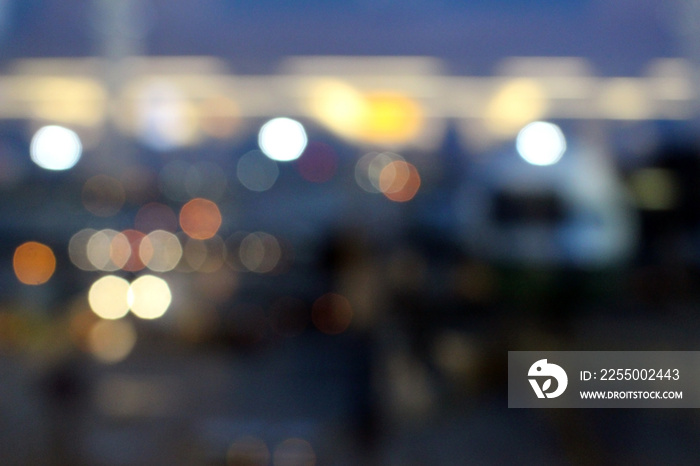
(282, 139)
(108, 250)
(34, 263)
(257, 172)
(299, 233)
(149, 297)
(160, 251)
(200, 218)
(78, 249)
(109, 297)
(111, 341)
(55, 148)
(541, 143)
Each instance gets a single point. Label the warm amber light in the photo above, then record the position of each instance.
(383, 117)
(109, 297)
(200, 218)
(392, 118)
(400, 181)
(120, 250)
(515, 103)
(111, 341)
(219, 117)
(339, 106)
(149, 297)
(394, 177)
(34, 263)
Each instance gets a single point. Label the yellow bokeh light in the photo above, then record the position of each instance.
(514, 104)
(392, 118)
(34, 263)
(339, 106)
(625, 99)
(149, 297)
(382, 117)
(160, 251)
(99, 250)
(108, 297)
(74, 100)
(111, 341)
(219, 117)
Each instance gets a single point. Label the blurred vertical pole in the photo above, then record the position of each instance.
(119, 27)
(118, 35)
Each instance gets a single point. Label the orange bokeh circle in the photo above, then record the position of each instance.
(200, 218)
(34, 263)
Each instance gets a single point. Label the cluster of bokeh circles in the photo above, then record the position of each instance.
(181, 229)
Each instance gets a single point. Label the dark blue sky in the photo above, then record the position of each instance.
(619, 36)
